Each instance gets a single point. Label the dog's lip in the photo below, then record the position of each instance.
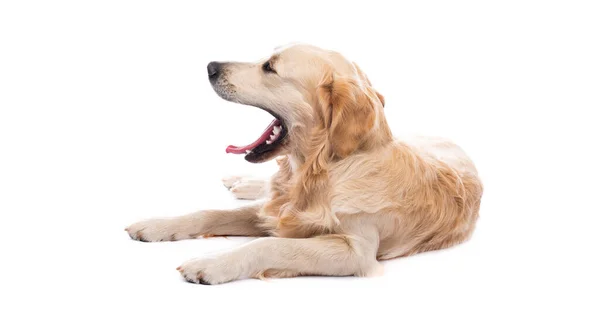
(270, 140)
(264, 137)
(266, 148)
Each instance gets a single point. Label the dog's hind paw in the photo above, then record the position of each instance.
(246, 188)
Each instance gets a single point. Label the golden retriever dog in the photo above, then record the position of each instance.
(347, 194)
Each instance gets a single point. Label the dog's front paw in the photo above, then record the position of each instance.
(158, 230)
(209, 271)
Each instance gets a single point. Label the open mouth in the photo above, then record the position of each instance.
(269, 141)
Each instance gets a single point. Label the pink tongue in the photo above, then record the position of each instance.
(242, 150)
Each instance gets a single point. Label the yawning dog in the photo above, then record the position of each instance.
(347, 194)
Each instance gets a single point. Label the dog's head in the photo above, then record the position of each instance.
(314, 94)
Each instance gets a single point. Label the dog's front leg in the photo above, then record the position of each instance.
(243, 221)
(327, 255)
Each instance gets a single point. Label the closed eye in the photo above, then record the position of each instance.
(268, 67)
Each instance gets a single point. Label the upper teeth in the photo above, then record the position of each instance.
(274, 135)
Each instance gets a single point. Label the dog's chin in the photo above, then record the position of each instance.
(271, 143)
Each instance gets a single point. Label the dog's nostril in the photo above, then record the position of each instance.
(213, 68)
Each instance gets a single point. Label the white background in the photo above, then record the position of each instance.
(107, 117)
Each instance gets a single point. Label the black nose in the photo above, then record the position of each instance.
(213, 69)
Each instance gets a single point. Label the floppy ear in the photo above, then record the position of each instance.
(348, 113)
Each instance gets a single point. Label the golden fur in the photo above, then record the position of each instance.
(344, 184)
